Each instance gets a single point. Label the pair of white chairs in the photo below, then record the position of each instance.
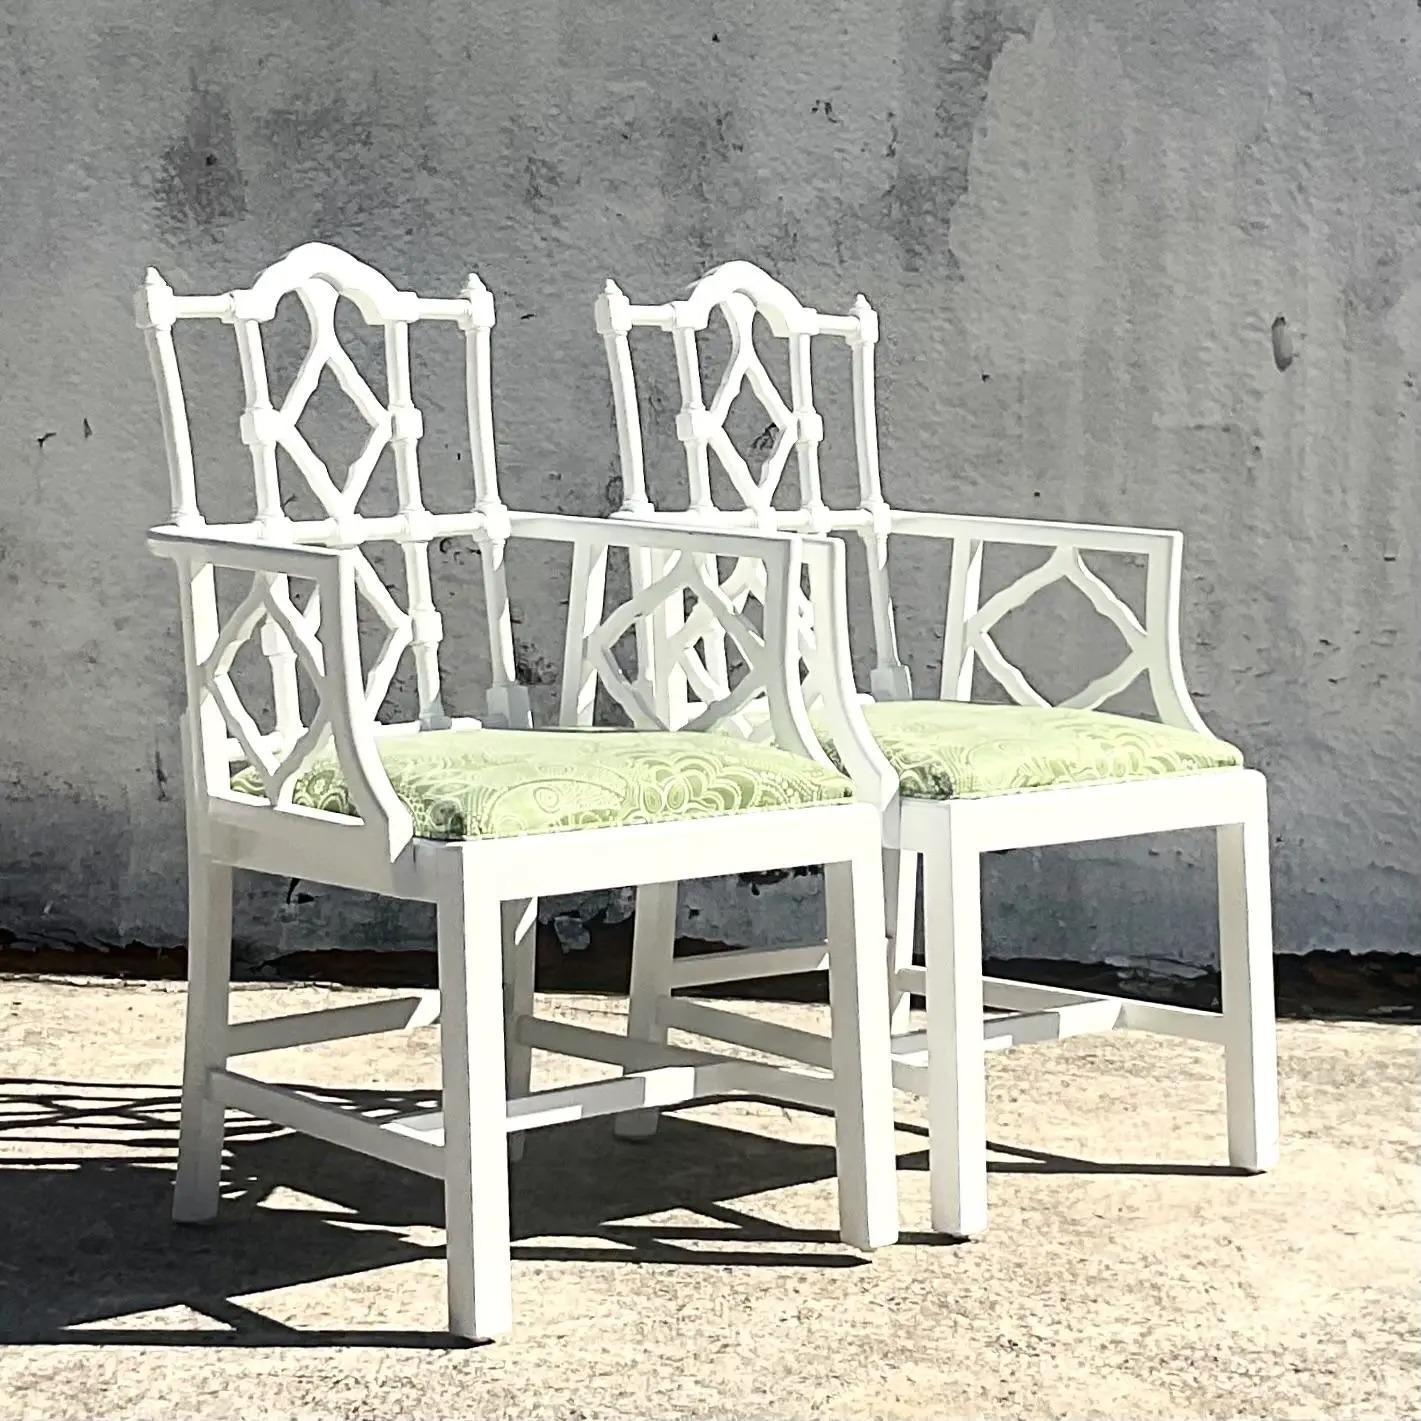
(749, 750)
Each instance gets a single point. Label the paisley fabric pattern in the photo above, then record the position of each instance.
(962, 750)
(498, 784)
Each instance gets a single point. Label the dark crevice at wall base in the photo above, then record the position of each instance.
(1369, 986)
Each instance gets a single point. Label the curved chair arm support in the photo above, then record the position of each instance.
(797, 665)
(1153, 644)
(324, 639)
(838, 705)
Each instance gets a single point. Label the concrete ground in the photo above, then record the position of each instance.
(1126, 1275)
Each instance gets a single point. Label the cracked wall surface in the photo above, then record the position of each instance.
(1081, 225)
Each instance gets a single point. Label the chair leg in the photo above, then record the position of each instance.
(861, 1055)
(900, 896)
(475, 1112)
(520, 956)
(200, 1125)
(653, 943)
(1246, 970)
(957, 1089)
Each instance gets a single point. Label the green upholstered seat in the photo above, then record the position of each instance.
(497, 784)
(963, 750)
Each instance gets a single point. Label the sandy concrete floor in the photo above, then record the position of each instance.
(1127, 1274)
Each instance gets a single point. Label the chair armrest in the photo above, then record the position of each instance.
(1032, 532)
(324, 639)
(663, 533)
(240, 553)
(1153, 642)
(796, 662)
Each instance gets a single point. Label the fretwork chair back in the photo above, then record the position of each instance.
(967, 778)
(479, 820)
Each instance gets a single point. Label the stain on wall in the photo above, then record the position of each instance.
(200, 181)
(1080, 224)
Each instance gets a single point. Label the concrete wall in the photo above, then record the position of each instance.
(1079, 222)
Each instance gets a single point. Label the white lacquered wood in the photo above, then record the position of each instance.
(485, 891)
(640, 1092)
(742, 1029)
(900, 888)
(963, 599)
(913, 979)
(520, 957)
(277, 1033)
(200, 1124)
(1069, 552)
(743, 964)
(674, 1076)
(319, 276)
(739, 291)
(653, 945)
(472, 1066)
(1152, 644)
(767, 566)
(588, 859)
(1165, 1020)
(585, 606)
(861, 1059)
(770, 1081)
(1188, 1023)
(822, 629)
(1077, 1012)
(329, 648)
(753, 1033)
(1056, 1024)
(957, 1092)
(587, 1043)
(381, 1138)
(1246, 969)
(1081, 813)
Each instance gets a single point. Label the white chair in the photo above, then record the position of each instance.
(955, 780)
(478, 821)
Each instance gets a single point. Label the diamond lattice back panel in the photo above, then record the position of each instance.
(326, 508)
(739, 293)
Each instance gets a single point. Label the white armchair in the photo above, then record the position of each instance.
(479, 821)
(964, 778)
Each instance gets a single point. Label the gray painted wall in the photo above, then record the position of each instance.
(1078, 222)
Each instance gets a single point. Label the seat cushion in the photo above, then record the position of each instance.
(963, 750)
(496, 784)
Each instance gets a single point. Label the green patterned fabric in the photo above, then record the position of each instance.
(963, 750)
(498, 784)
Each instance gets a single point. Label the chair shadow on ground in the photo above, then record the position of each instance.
(86, 1185)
